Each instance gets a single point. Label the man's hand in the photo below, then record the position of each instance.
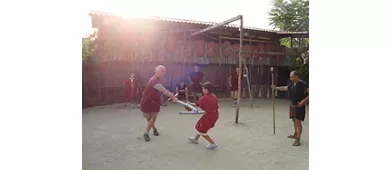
(300, 104)
(174, 100)
(273, 87)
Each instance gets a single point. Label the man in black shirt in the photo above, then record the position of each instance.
(299, 94)
(181, 91)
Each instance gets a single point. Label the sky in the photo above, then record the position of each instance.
(255, 12)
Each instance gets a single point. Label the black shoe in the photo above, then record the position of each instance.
(146, 137)
(155, 132)
(164, 105)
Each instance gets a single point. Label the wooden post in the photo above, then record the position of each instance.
(273, 98)
(247, 74)
(219, 50)
(240, 70)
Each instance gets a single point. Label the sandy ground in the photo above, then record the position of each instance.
(112, 140)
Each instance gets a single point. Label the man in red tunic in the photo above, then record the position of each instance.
(196, 79)
(151, 100)
(131, 86)
(233, 83)
(209, 103)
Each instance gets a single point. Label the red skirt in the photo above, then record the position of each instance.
(234, 87)
(132, 95)
(196, 87)
(205, 123)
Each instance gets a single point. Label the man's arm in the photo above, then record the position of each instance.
(306, 98)
(281, 88)
(177, 90)
(189, 78)
(162, 89)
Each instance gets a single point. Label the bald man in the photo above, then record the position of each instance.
(299, 95)
(151, 100)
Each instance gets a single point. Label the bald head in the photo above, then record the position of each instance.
(160, 71)
(294, 76)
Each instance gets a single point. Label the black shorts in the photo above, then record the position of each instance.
(181, 96)
(297, 112)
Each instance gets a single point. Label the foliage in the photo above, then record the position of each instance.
(88, 48)
(287, 42)
(292, 16)
(296, 63)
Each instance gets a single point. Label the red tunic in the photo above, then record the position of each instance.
(132, 88)
(197, 78)
(234, 81)
(208, 103)
(151, 97)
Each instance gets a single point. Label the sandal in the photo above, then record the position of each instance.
(292, 137)
(296, 143)
(146, 137)
(155, 132)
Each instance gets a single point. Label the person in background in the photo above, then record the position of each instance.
(197, 78)
(132, 89)
(299, 95)
(244, 84)
(233, 84)
(181, 91)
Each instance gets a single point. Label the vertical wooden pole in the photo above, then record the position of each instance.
(219, 50)
(273, 98)
(240, 69)
(247, 73)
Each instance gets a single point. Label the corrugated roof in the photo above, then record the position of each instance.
(206, 23)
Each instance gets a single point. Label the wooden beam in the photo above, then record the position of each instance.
(217, 25)
(250, 40)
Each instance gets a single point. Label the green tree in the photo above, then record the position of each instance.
(88, 48)
(292, 16)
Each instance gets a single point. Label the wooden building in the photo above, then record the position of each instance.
(126, 45)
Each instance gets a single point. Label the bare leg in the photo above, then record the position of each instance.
(298, 124)
(234, 98)
(194, 95)
(207, 137)
(195, 139)
(187, 96)
(148, 120)
(298, 127)
(295, 131)
(150, 124)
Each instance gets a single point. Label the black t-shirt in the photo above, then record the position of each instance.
(181, 88)
(297, 92)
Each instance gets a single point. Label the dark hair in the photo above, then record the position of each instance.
(208, 86)
(295, 73)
